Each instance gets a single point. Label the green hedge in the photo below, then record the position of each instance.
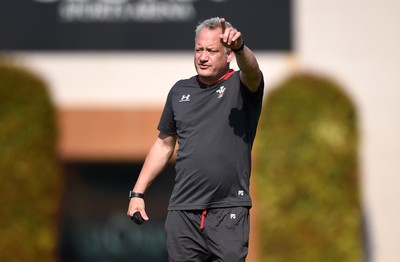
(306, 174)
(30, 176)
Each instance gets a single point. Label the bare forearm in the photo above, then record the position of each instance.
(250, 70)
(247, 62)
(156, 160)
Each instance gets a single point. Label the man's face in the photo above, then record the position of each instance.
(211, 59)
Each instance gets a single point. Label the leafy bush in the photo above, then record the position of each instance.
(30, 177)
(306, 174)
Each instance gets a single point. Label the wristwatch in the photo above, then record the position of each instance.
(135, 194)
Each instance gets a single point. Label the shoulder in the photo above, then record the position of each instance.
(189, 82)
(183, 87)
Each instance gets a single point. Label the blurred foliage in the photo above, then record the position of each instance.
(30, 175)
(306, 174)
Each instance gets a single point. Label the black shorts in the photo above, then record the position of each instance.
(220, 234)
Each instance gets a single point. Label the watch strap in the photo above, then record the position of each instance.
(135, 194)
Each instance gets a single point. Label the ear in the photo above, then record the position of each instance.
(229, 56)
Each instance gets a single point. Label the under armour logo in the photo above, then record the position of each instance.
(185, 98)
(240, 193)
(233, 216)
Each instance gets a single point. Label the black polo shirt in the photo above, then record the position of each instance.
(215, 126)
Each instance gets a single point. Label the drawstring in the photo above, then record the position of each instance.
(203, 218)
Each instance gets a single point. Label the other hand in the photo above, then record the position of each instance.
(137, 204)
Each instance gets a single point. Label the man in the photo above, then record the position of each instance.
(214, 117)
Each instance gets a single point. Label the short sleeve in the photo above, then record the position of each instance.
(167, 123)
(256, 97)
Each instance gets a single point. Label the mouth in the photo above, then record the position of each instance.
(203, 66)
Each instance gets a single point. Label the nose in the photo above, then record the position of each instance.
(204, 56)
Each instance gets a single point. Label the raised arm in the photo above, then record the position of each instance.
(250, 73)
(157, 158)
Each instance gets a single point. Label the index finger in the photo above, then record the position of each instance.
(223, 24)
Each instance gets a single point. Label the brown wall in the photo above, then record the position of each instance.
(106, 134)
